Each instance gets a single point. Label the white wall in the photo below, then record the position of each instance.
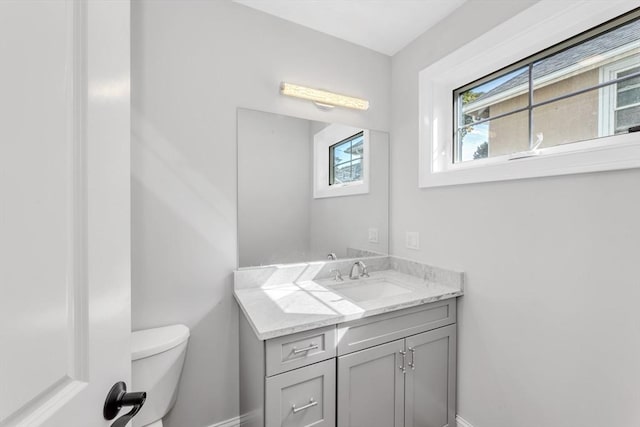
(193, 64)
(549, 324)
(274, 188)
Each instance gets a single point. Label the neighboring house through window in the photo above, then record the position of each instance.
(620, 103)
(345, 160)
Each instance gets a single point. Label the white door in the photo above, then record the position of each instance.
(64, 209)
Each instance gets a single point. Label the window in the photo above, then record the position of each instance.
(554, 97)
(341, 161)
(620, 102)
(345, 160)
(541, 115)
(626, 109)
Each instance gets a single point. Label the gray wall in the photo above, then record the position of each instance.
(274, 188)
(193, 64)
(549, 324)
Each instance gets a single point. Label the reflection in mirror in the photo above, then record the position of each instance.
(308, 190)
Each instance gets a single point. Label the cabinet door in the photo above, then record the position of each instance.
(431, 377)
(371, 387)
(303, 397)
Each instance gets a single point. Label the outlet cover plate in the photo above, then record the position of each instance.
(373, 235)
(413, 240)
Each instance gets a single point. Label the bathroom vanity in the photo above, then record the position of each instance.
(373, 351)
(367, 341)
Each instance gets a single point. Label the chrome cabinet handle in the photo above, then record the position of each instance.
(402, 367)
(412, 364)
(312, 346)
(302, 408)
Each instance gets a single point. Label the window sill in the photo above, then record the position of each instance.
(602, 154)
(350, 189)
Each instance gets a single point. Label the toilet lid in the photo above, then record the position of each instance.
(147, 342)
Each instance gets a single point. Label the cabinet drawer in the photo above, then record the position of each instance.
(302, 397)
(361, 334)
(301, 349)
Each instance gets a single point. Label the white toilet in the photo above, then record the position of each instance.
(157, 356)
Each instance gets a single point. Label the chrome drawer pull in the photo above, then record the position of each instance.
(302, 350)
(302, 408)
(402, 367)
(412, 364)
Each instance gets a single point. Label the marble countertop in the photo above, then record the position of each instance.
(275, 310)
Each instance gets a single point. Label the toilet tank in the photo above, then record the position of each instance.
(157, 357)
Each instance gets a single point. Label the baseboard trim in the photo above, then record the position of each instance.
(237, 422)
(461, 422)
(231, 422)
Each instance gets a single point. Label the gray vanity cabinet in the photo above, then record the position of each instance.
(289, 381)
(396, 369)
(371, 387)
(430, 380)
(408, 382)
(303, 397)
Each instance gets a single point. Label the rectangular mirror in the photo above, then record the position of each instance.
(309, 190)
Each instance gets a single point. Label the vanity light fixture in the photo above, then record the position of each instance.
(322, 98)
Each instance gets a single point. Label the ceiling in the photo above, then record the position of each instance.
(385, 26)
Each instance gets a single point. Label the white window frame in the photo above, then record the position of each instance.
(539, 27)
(322, 141)
(608, 93)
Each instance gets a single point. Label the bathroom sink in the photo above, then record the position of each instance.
(370, 289)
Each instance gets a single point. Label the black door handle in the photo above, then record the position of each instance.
(117, 398)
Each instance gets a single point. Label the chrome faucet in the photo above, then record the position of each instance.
(363, 272)
(358, 270)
